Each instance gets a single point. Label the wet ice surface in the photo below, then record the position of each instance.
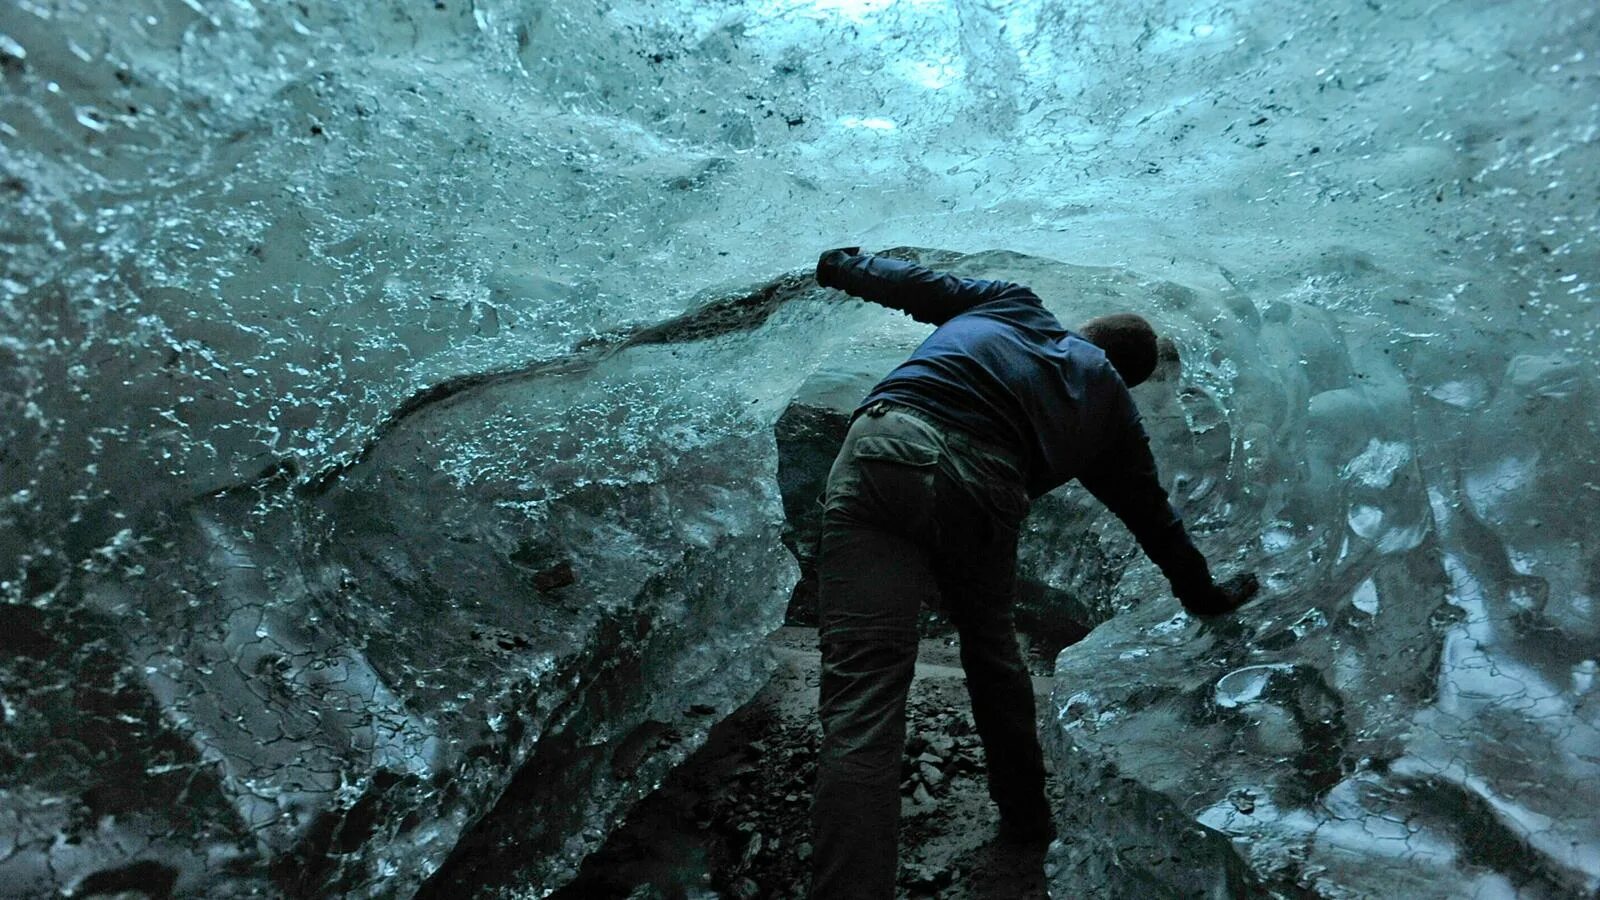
(242, 238)
(1403, 711)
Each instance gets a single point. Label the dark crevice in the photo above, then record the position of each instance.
(535, 815)
(1487, 840)
(144, 878)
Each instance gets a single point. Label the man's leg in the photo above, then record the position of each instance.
(871, 586)
(979, 599)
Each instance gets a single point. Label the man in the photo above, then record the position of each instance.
(998, 406)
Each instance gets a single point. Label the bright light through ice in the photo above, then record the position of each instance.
(857, 10)
(931, 75)
(875, 124)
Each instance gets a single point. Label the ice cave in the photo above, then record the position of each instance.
(413, 413)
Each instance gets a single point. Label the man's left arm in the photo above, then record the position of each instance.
(1125, 479)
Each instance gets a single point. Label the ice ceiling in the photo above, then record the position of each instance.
(241, 237)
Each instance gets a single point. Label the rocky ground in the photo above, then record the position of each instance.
(733, 821)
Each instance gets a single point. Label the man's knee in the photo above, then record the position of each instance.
(867, 662)
(845, 639)
(857, 768)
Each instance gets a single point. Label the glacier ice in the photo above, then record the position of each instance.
(388, 418)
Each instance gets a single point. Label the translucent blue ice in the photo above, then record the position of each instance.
(326, 378)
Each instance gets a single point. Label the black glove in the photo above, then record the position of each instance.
(1223, 598)
(828, 264)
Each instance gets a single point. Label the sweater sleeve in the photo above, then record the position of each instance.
(1124, 478)
(926, 295)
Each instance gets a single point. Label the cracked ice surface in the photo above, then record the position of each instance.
(344, 477)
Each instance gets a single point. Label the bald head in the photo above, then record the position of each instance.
(1128, 341)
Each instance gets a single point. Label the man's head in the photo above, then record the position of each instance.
(1128, 341)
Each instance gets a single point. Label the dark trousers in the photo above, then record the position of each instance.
(915, 513)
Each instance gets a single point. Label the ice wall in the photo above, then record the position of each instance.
(240, 237)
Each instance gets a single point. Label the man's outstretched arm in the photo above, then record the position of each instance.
(1126, 481)
(928, 296)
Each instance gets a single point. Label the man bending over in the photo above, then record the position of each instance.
(998, 406)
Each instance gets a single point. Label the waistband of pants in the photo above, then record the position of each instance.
(952, 433)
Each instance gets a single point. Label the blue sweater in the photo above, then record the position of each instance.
(1001, 367)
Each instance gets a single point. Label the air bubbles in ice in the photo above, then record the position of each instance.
(1313, 620)
(1276, 540)
(1087, 711)
(1242, 686)
(871, 123)
(1242, 813)
(10, 47)
(1176, 623)
(1583, 676)
(1490, 484)
(1375, 466)
(1460, 394)
(91, 118)
(1365, 597)
(1366, 520)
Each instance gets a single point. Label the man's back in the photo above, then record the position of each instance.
(1002, 368)
(924, 507)
(1006, 371)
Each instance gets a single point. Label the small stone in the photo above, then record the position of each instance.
(1244, 801)
(931, 776)
(920, 876)
(803, 852)
(745, 889)
(752, 850)
(557, 576)
(921, 797)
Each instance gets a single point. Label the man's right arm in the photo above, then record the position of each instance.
(926, 295)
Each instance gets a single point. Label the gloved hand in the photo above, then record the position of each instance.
(1225, 597)
(828, 264)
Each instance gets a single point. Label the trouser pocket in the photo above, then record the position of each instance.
(987, 490)
(887, 481)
